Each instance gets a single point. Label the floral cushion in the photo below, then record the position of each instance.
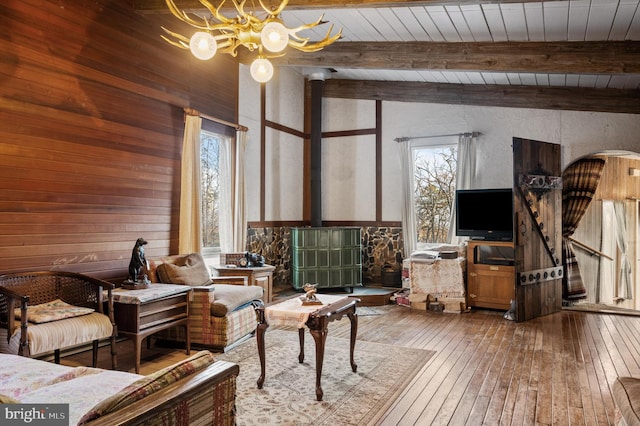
(52, 311)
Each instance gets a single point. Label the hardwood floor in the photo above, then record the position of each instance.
(554, 370)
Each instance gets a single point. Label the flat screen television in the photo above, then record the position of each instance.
(485, 214)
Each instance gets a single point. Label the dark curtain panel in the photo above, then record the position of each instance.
(579, 183)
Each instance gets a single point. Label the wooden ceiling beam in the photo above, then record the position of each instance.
(590, 57)
(160, 6)
(556, 98)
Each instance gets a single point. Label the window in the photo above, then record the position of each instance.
(434, 178)
(210, 186)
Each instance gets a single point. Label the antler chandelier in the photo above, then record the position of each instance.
(267, 36)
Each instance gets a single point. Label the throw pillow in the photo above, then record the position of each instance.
(52, 311)
(191, 270)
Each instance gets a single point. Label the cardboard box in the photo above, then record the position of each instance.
(454, 305)
(451, 304)
(402, 301)
(419, 306)
(418, 297)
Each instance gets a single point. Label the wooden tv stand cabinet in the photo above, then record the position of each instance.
(491, 277)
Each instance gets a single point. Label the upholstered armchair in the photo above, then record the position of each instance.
(43, 312)
(222, 310)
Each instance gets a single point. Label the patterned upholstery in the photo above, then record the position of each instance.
(195, 391)
(24, 290)
(207, 329)
(47, 337)
(149, 385)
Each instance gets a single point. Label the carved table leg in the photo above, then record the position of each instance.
(301, 337)
(260, 331)
(320, 336)
(353, 317)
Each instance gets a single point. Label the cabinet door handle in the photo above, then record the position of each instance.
(473, 274)
(494, 268)
(473, 296)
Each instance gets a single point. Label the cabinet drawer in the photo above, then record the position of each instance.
(492, 269)
(490, 278)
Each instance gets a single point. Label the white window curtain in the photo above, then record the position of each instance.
(225, 217)
(616, 274)
(190, 227)
(607, 275)
(240, 197)
(625, 289)
(233, 211)
(409, 230)
(465, 175)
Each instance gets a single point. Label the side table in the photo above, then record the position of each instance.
(291, 312)
(256, 275)
(141, 313)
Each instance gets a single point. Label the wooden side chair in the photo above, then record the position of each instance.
(43, 312)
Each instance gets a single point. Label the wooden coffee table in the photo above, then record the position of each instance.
(316, 318)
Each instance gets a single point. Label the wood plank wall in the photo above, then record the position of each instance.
(615, 183)
(91, 128)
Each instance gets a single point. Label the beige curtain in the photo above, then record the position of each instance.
(190, 228)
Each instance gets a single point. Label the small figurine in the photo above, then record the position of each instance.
(311, 292)
(310, 297)
(138, 265)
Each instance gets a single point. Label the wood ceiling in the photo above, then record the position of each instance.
(571, 55)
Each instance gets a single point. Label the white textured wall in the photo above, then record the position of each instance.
(249, 115)
(348, 178)
(283, 176)
(578, 133)
(349, 162)
(283, 152)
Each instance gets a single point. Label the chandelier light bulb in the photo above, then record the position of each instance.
(261, 70)
(203, 45)
(274, 36)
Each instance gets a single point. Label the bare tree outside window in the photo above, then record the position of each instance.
(434, 191)
(210, 186)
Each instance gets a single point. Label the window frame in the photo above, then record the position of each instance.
(212, 254)
(430, 144)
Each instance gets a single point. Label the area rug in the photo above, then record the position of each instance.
(365, 311)
(288, 395)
